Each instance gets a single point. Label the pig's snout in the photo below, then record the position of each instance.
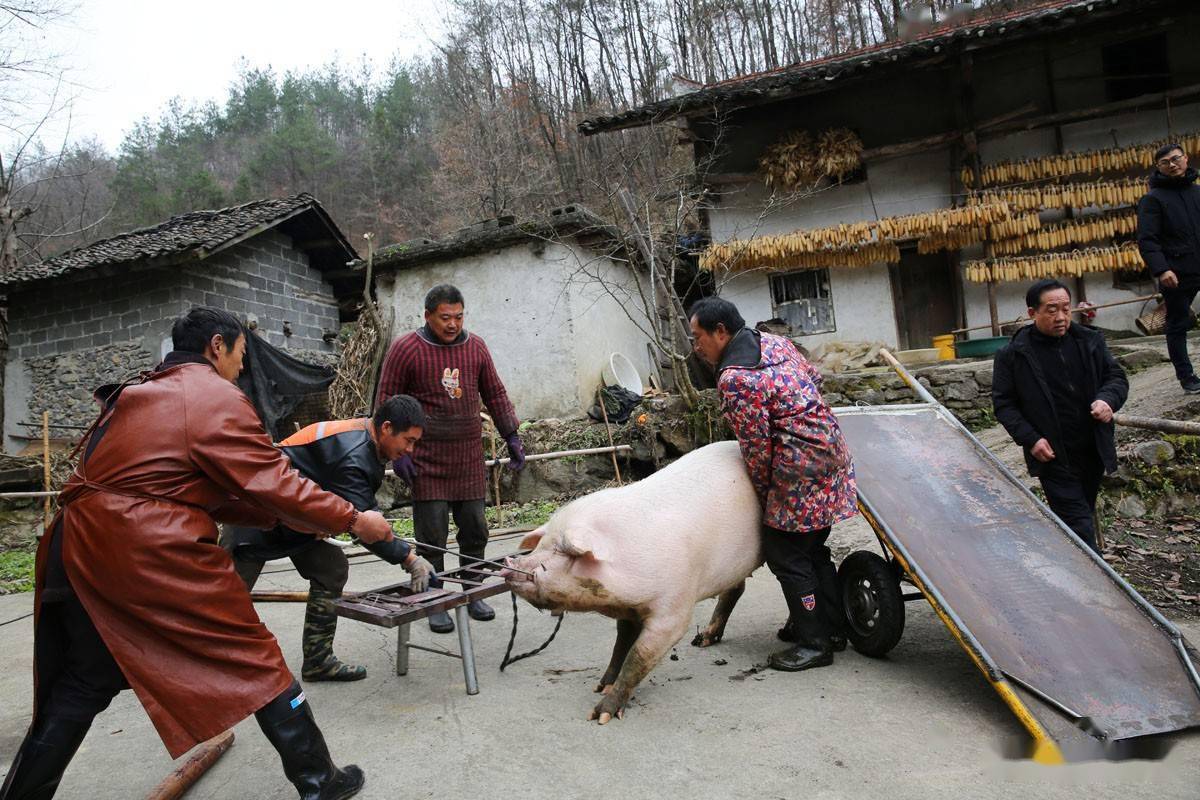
(511, 574)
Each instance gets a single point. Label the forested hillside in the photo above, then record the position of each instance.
(484, 125)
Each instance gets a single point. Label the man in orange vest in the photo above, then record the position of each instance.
(345, 457)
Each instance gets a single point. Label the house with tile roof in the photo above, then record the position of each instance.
(1046, 116)
(103, 312)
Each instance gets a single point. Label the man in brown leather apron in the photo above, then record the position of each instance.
(133, 590)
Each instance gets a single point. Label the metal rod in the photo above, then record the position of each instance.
(1045, 698)
(589, 451)
(473, 558)
(402, 646)
(435, 650)
(608, 430)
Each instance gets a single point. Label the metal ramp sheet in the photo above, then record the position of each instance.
(1043, 609)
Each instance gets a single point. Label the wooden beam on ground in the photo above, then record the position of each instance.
(186, 774)
(1175, 426)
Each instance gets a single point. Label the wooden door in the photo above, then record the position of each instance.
(924, 293)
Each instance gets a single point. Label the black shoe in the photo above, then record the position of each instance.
(837, 641)
(43, 758)
(294, 733)
(800, 657)
(440, 622)
(1191, 384)
(479, 610)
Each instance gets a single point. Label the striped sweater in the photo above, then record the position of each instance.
(449, 380)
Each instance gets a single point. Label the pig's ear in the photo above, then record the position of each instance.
(531, 540)
(583, 542)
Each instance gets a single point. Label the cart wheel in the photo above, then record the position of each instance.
(873, 603)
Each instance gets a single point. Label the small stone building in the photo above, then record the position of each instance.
(553, 298)
(103, 312)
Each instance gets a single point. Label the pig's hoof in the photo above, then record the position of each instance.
(603, 688)
(606, 709)
(705, 639)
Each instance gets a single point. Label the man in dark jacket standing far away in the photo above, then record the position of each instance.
(1169, 240)
(1055, 388)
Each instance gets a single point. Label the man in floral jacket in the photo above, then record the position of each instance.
(798, 462)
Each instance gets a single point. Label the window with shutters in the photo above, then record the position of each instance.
(802, 300)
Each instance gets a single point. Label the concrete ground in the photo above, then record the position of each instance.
(922, 723)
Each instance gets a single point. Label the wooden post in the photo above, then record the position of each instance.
(496, 479)
(46, 467)
(608, 430)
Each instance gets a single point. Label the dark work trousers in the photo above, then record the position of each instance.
(1071, 493)
(431, 524)
(323, 565)
(803, 565)
(1179, 320)
(83, 676)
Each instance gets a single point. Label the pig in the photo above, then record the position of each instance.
(645, 554)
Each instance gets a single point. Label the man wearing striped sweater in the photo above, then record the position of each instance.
(450, 371)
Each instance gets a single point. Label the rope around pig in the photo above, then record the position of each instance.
(513, 638)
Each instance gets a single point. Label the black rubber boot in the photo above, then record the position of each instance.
(43, 758)
(289, 725)
(477, 609)
(440, 622)
(320, 625)
(812, 648)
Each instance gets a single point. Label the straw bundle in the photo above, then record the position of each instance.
(839, 152)
(791, 163)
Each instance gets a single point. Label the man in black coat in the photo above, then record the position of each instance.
(1169, 240)
(1055, 388)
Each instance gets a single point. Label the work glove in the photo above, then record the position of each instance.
(421, 571)
(516, 452)
(405, 469)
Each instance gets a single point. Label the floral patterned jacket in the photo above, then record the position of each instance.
(792, 444)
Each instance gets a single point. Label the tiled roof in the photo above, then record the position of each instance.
(195, 235)
(789, 81)
(495, 234)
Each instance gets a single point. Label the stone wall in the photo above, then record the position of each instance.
(963, 387)
(69, 336)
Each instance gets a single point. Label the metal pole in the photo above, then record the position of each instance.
(465, 648)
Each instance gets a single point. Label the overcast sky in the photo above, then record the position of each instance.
(127, 58)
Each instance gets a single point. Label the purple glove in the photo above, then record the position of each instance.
(405, 469)
(516, 452)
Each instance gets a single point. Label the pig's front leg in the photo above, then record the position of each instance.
(716, 626)
(627, 633)
(655, 639)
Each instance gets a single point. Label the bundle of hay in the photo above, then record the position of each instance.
(839, 153)
(791, 163)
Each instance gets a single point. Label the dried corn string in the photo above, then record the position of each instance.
(1045, 265)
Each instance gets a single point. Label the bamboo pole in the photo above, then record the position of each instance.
(46, 467)
(268, 596)
(186, 774)
(1175, 426)
(496, 479)
(1082, 310)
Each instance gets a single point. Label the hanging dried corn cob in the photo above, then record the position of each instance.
(1070, 195)
(1045, 265)
(1069, 232)
(762, 254)
(1121, 159)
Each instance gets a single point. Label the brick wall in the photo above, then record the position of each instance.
(71, 335)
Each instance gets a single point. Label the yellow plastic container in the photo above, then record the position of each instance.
(945, 346)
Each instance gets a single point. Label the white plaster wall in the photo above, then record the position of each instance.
(606, 310)
(522, 301)
(862, 297)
